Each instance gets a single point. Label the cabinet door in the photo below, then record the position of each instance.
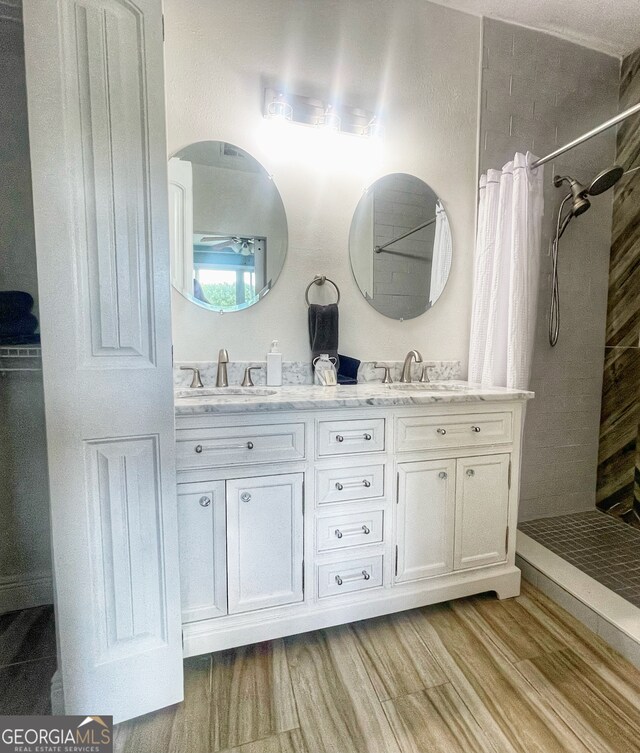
(264, 541)
(203, 550)
(426, 503)
(482, 505)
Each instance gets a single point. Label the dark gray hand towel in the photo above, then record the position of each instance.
(323, 330)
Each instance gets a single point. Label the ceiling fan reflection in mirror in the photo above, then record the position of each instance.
(236, 244)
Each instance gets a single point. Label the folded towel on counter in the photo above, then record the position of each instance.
(348, 372)
(323, 330)
(25, 326)
(14, 304)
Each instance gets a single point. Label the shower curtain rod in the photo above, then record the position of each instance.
(589, 135)
(378, 249)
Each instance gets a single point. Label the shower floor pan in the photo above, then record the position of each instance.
(589, 563)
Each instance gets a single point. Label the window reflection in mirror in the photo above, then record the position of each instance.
(228, 226)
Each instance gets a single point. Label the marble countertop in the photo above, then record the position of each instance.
(312, 397)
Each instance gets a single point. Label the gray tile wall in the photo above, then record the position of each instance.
(538, 92)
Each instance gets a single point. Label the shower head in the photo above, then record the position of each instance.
(605, 180)
(579, 203)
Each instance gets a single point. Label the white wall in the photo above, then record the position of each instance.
(25, 558)
(416, 62)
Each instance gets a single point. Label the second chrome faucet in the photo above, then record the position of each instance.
(412, 355)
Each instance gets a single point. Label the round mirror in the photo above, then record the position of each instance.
(228, 227)
(400, 246)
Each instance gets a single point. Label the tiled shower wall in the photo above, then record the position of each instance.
(619, 457)
(539, 92)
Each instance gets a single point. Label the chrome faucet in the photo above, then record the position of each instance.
(406, 368)
(222, 380)
(196, 382)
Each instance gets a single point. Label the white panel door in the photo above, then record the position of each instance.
(425, 509)
(203, 550)
(264, 541)
(98, 156)
(181, 223)
(482, 507)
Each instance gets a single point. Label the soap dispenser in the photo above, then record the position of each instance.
(274, 366)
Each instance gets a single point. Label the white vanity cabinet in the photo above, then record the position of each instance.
(293, 520)
(241, 545)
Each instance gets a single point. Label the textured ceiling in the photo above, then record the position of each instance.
(612, 26)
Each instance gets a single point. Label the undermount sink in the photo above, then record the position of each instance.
(428, 387)
(222, 392)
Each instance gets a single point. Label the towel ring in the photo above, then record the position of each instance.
(320, 280)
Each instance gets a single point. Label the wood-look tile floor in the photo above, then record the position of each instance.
(471, 676)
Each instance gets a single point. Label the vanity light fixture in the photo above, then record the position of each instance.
(330, 120)
(279, 108)
(281, 105)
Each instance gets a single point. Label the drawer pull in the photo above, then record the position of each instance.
(352, 532)
(245, 497)
(341, 438)
(443, 474)
(365, 575)
(442, 432)
(365, 482)
(248, 446)
(471, 472)
(205, 501)
(475, 428)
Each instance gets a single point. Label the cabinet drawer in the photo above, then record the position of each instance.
(466, 430)
(349, 576)
(352, 529)
(233, 445)
(349, 484)
(347, 437)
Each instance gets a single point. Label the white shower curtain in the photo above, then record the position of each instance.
(506, 269)
(441, 262)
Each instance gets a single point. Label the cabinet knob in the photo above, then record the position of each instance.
(443, 474)
(470, 472)
(366, 483)
(249, 445)
(367, 437)
(245, 497)
(475, 428)
(339, 486)
(366, 530)
(442, 432)
(339, 438)
(338, 580)
(198, 448)
(338, 533)
(205, 501)
(365, 575)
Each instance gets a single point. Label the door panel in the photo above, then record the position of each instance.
(426, 503)
(203, 550)
(264, 541)
(98, 155)
(482, 507)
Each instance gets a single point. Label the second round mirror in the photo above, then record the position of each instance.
(400, 246)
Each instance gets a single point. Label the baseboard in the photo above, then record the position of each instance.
(57, 695)
(25, 591)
